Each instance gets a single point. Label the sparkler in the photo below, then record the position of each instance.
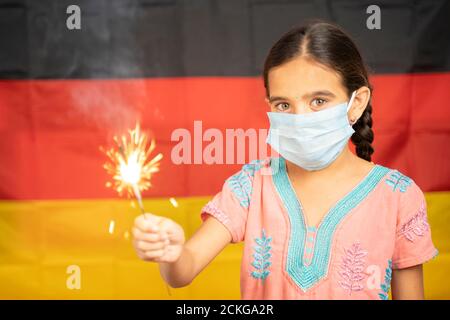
(130, 166)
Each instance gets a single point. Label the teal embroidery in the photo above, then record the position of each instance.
(386, 285)
(306, 275)
(436, 253)
(398, 181)
(241, 182)
(262, 257)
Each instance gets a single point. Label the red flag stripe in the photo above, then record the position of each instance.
(51, 130)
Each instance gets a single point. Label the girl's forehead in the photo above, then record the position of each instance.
(302, 76)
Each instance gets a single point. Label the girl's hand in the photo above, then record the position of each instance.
(157, 239)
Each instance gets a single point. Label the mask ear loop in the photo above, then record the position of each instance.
(350, 104)
(351, 100)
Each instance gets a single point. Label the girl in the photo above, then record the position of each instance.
(318, 221)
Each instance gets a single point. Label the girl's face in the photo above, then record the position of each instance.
(303, 85)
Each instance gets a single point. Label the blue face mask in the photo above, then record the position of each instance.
(311, 140)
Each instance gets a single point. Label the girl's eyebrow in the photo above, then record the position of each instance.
(274, 99)
(323, 93)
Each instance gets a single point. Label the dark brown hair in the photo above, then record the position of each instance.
(330, 46)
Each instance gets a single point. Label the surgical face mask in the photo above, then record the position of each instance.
(311, 140)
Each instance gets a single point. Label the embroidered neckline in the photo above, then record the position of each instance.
(305, 275)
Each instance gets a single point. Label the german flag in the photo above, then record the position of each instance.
(167, 64)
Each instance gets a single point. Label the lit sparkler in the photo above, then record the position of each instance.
(130, 166)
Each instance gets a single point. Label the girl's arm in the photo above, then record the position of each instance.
(407, 284)
(162, 240)
(204, 245)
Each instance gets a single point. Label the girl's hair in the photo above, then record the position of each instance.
(330, 46)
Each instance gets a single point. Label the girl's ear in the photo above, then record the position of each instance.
(267, 101)
(362, 98)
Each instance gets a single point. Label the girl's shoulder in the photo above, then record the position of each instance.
(252, 169)
(403, 197)
(241, 183)
(398, 182)
(402, 189)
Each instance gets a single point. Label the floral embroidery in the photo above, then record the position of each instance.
(241, 182)
(352, 268)
(398, 181)
(416, 226)
(212, 209)
(385, 287)
(261, 257)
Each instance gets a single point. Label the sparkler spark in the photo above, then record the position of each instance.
(130, 165)
(174, 202)
(111, 226)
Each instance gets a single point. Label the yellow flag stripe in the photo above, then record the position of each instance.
(82, 250)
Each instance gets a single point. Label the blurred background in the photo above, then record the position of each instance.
(165, 63)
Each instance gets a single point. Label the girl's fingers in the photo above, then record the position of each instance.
(145, 236)
(149, 223)
(167, 227)
(153, 218)
(154, 254)
(150, 246)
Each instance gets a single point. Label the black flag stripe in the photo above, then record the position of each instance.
(143, 38)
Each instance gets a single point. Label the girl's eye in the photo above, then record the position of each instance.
(282, 106)
(318, 102)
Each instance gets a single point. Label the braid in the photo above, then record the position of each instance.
(363, 136)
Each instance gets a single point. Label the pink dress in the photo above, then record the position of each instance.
(380, 225)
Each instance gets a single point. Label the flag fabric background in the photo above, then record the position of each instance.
(166, 64)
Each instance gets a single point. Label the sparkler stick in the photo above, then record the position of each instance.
(138, 196)
(131, 168)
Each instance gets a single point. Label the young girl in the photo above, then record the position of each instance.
(318, 222)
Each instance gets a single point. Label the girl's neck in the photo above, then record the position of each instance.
(345, 164)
